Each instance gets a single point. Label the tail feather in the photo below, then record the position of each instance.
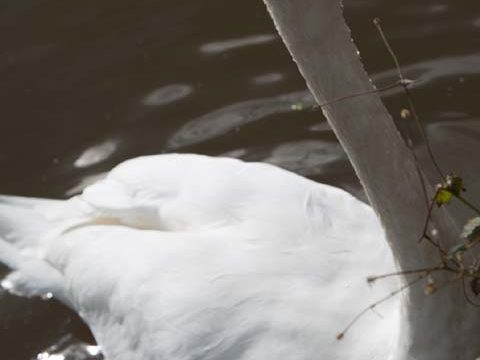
(23, 222)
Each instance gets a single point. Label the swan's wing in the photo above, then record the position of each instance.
(179, 192)
(218, 295)
(253, 262)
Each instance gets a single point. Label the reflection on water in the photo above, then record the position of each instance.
(306, 157)
(96, 154)
(68, 348)
(269, 78)
(424, 73)
(86, 85)
(230, 44)
(233, 116)
(167, 94)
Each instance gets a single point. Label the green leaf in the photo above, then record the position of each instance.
(443, 197)
(455, 184)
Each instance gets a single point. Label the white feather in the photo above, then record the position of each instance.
(187, 256)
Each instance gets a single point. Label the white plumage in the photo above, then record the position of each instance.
(191, 257)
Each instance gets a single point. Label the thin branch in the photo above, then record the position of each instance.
(341, 335)
(376, 21)
(427, 220)
(371, 279)
(422, 131)
(420, 176)
(409, 143)
(443, 253)
(449, 263)
(354, 95)
(405, 82)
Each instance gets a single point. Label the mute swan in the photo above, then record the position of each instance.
(190, 257)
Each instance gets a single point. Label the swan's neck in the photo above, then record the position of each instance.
(434, 327)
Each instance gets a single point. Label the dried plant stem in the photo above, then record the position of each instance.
(378, 302)
(405, 82)
(422, 131)
(451, 261)
(354, 95)
(420, 176)
(372, 279)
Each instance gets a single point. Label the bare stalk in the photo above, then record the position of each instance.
(405, 82)
(341, 335)
(350, 96)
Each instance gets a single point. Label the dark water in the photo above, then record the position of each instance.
(87, 84)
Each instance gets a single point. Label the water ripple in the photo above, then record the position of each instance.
(230, 44)
(268, 78)
(167, 94)
(233, 116)
(306, 157)
(426, 72)
(96, 154)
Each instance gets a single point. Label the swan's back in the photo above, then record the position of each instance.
(191, 257)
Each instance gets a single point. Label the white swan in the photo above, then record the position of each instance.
(190, 257)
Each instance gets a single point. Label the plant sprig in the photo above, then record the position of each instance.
(450, 187)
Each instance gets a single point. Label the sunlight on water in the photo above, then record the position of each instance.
(269, 78)
(70, 349)
(96, 154)
(47, 356)
(93, 350)
(230, 44)
(7, 285)
(47, 296)
(167, 94)
(426, 72)
(307, 157)
(230, 117)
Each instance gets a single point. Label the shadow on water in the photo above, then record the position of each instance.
(86, 85)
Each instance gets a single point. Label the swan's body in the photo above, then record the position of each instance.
(177, 257)
(191, 257)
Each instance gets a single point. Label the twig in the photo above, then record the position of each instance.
(452, 260)
(376, 21)
(341, 335)
(443, 252)
(420, 176)
(350, 96)
(374, 278)
(405, 82)
(427, 220)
